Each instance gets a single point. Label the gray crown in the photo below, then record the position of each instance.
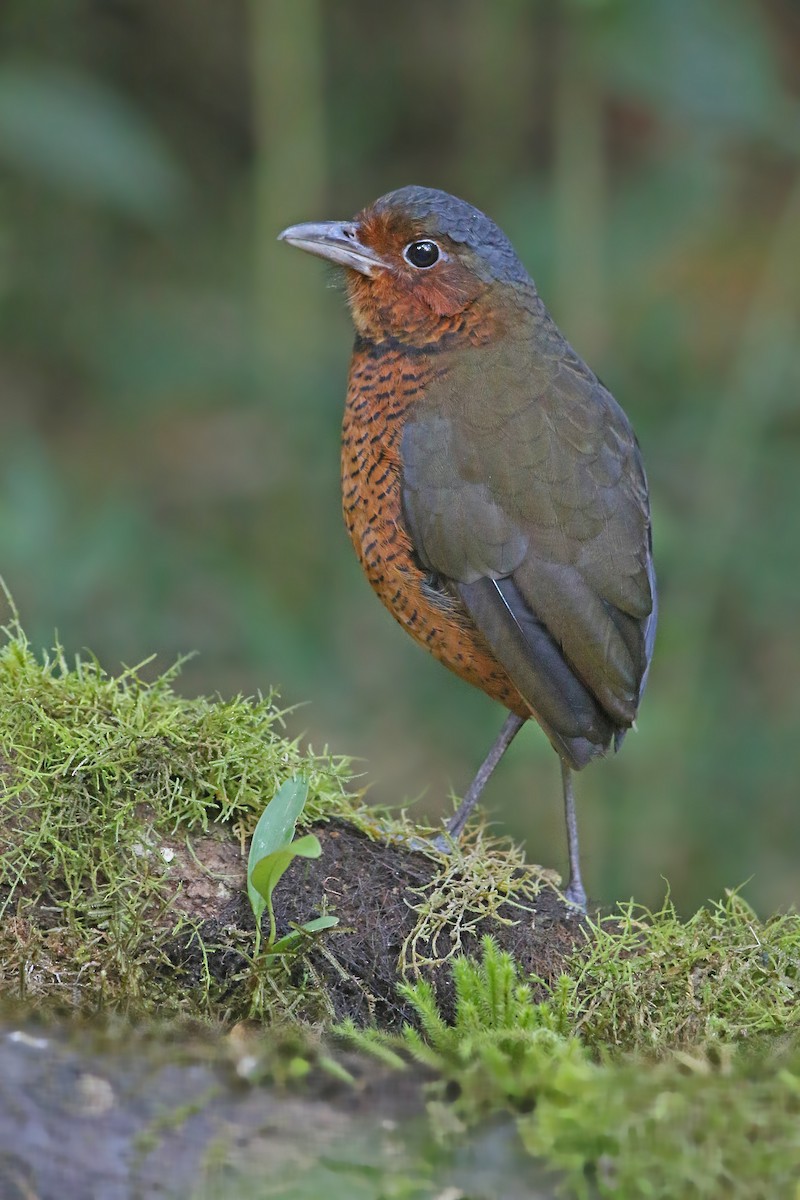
(443, 214)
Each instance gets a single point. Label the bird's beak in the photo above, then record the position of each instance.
(337, 241)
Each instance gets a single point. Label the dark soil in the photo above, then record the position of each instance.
(196, 949)
(368, 885)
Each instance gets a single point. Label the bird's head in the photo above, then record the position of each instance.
(421, 264)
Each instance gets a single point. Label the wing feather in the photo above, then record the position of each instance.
(523, 486)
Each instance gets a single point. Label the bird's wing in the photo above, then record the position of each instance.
(523, 490)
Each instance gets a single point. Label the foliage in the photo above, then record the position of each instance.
(100, 779)
(668, 1053)
(272, 848)
(479, 878)
(501, 1047)
(651, 982)
(707, 1119)
(684, 1127)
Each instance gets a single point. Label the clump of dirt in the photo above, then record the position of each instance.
(125, 810)
(376, 889)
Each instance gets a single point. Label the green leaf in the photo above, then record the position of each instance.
(319, 923)
(277, 822)
(316, 926)
(264, 876)
(274, 831)
(307, 846)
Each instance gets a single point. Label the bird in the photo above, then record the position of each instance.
(492, 487)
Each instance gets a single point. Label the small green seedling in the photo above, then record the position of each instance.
(271, 851)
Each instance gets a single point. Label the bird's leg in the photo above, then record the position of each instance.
(511, 727)
(574, 893)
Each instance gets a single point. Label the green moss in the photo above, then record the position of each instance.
(687, 1127)
(715, 1115)
(86, 739)
(665, 1063)
(652, 982)
(480, 879)
(102, 777)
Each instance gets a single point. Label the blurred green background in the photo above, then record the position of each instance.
(172, 379)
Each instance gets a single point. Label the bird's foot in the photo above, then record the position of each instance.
(575, 896)
(441, 843)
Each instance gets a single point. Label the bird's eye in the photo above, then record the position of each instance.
(421, 254)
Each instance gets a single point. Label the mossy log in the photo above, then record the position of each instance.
(125, 817)
(665, 1059)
